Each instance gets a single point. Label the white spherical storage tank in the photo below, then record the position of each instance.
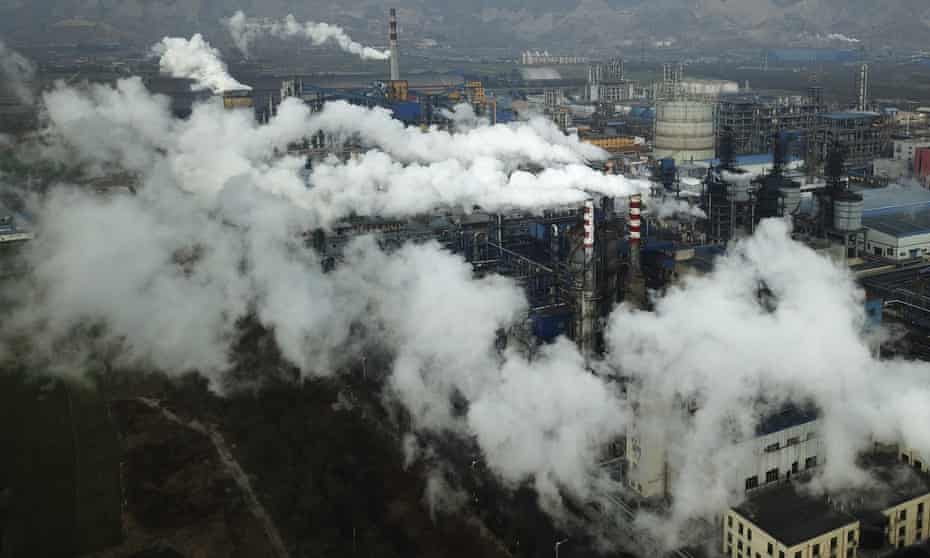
(684, 130)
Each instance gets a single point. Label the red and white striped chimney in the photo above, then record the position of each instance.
(636, 206)
(589, 229)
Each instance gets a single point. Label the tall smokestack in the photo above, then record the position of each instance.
(636, 204)
(588, 313)
(395, 62)
(863, 87)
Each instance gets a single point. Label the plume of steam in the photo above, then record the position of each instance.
(842, 38)
(196, 60)
(18, 74)
(670, 207)
(214, 234)
(246, 30)
(711, 341)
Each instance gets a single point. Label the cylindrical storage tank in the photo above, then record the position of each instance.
(684, 130)
(791, 199)
(847, 213)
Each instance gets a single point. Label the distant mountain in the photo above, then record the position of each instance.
(563, 24)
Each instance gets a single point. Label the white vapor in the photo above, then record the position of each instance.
(711, 341)
(842, 38)
(246, 30)
(18, 74)
(216, 231)
(196, 60)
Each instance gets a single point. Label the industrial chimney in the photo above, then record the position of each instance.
(636, 204)
(395, 61)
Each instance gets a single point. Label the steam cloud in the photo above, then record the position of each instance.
(246, 31)
(18, 74)
(196, 60)
(214, 234)
(842, 38)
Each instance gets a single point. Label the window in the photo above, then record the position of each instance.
(797, 554)
(918, 465)
(729, 550)
(729, 537)
(851, 536)
(901, 531)
(850, 552)
(752, 482)
(902, 515)
(771, 549)
(889, 251)
(920, 507)
(781, 554)
(810, 462)
(815, 550)
(748, 534)
(833, 542)
(905, 458)
(772, 447)
(739, 545)
(730, 521)
(794, 467)
(793, 441)
(771, 475)
(740, 528)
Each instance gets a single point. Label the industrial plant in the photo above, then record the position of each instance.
(684, 179)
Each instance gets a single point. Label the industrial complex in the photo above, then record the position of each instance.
(851, 180)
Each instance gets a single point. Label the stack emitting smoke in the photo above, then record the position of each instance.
(395, 62)
(211, 185)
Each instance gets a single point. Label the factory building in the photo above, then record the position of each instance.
(535, 58)
(756, 118)
(899, 234)
(782, 522)
(238, 99)
(864, 136)
(606, 83)
(789, 521)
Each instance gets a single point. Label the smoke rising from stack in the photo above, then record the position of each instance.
(196, 60)
(214, 235)
(245, 31)
(18, 75)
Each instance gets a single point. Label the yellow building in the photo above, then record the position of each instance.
(613, 144)
(786, 521)
(781, 522)
(238, 98)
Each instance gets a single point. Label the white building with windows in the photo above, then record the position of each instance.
(898, 234)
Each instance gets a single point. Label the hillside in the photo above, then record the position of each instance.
(573, 24)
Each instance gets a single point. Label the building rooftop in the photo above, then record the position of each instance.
(908, 221)
(897, 482)
(787, 416)
(791, 516)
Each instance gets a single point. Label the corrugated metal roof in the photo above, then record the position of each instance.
(900, 223)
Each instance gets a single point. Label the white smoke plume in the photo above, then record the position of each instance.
(710, 340)
(246, 31)
(670, 207)
(215, 234)
(18, 75)
(196, 60)
(842, 38)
